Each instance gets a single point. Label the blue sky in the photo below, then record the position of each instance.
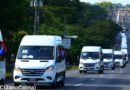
(123, 2)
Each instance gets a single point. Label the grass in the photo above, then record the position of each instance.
(72, 67)
(8, 74)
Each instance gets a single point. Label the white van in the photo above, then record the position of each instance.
(125, 52)
(119, 59)
(40, 60)
(108, 58)
(91, 59)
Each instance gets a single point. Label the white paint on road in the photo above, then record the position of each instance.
(101, 75)
(112, 71)
(99, 85)
(77, 84)
(92, 79)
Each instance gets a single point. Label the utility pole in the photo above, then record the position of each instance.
(36, 4)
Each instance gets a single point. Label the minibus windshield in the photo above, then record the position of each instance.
(118, 56)
(107, 56)
(36, 52)
(87, 55)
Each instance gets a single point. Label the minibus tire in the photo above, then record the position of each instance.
(80, 71)
(16, 84)
(2, 82)
(125, 65)
(54, 84)
(122, 66)
(85, 71)
(64, 76)
(101, 70)
(113, 68)
(62, 82)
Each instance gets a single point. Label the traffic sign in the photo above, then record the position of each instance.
(71, 36)
(67, 43)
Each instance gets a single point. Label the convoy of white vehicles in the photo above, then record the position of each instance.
(94, 58)
(40, 60)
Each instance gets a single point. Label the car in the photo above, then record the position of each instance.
(119, 59)
(108, 59)
(91, 59)
(40, 60)
(125, 52)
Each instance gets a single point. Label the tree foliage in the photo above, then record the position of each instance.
(58, 17)
(105, 5)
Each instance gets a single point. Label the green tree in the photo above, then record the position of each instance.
(105, 5)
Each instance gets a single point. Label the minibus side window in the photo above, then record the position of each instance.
(60, 53)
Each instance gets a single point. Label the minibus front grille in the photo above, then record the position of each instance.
(117, 63)
(32, 72)
(106, 63)
(89, 64)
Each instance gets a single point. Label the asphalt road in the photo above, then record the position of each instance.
(110, 80)
(119, 79)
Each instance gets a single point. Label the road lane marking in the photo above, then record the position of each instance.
(77, 84)
(101, 76)
(99, 85)
(113, 71)
(92, 79)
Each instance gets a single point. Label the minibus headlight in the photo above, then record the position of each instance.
(49, 69)
(17, 68)
(81, 62)
(97, 64)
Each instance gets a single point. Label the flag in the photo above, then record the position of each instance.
(3, 48)
(1, 38)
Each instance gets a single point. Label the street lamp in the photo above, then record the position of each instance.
(36, 4)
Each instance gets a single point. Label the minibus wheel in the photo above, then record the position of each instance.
(54, 84)
(123, 66)
(64, 76)
(2, 82)
(113, 68)
(16, 84)
(101, 70)
(80, 71)
(62, 82)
